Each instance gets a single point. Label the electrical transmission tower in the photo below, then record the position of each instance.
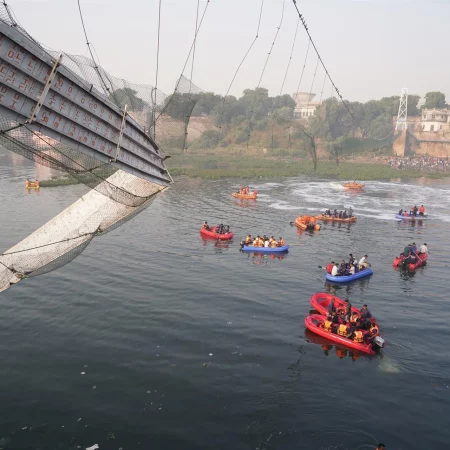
(402, 116)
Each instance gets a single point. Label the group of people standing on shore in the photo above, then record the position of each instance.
(340, 214)
(345, 269)
(264, 241)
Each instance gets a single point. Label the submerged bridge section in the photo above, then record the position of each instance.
(38, 92)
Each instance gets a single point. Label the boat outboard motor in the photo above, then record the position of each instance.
(242, 243)
(378, 341)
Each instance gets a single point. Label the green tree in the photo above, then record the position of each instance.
(127, 96)
(434, 100)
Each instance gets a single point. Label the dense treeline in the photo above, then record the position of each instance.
(257, 119)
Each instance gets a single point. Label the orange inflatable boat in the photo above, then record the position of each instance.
(354, 186)
(307, 223)
(251, 196)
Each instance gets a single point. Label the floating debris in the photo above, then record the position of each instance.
(210, 354)
(83, 373)
(94, 447)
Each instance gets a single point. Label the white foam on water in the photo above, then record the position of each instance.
(387, 365)
(283, 206)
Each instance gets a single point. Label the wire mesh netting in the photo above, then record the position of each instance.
(116, 196)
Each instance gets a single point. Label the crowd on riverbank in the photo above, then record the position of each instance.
(428, 163)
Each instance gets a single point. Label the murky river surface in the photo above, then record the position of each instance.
(155, 338)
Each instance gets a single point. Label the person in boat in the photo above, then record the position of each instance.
(381, 447)
(281, 242)
(344, 214)
(363, 263)
(342, 268)
(421, 210)
(342, 329)
(335, 213)
(274, 244)
(354, 319)
(358, 335)
(331, 307)
(366, 315)
(330, 266)
(340, 215)
(335, 270)
(405, 213)
(352, 270)
(266, 243)
(350, 212)
(400, 212)
(413, 248)
(328, 325)
(351, 260)
(423, 249)
(348, 310)
(415, 210)
(248, 240)
(407, 251)
(206, 226)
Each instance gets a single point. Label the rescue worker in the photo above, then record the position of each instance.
(358, 335)
(348, 310)
(366, 315)
(342, 329)
(330, 267)
(335, 270)
(363, 262)
(354, 319)
(328, 325)
(331, 307)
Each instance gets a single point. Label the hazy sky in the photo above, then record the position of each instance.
(372, 48)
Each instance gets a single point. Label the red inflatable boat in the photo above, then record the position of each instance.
(421, 260)
(321, 300)
(315, 323)
(212, 234)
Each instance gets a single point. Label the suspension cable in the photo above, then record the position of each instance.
(242, 62)
(323, 65)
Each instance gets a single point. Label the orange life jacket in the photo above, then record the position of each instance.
(342, 330)
(374, 330)
(327, 326)
(354, 318)
(274, 244)
(358, 337)
(421, 209)
(281, 243)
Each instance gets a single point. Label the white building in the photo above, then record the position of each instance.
(304, 106)
(435, 120)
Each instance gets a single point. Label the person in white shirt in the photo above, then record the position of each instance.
(363, 262)
(352, 269)
(423, 248)
(335, 270)
(266, 244)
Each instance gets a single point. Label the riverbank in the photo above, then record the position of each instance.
(247, 167)
(213, 167)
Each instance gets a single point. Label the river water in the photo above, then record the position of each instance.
(154, 338)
